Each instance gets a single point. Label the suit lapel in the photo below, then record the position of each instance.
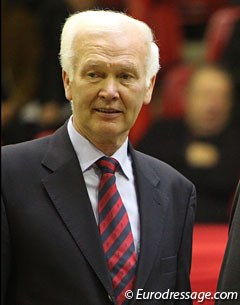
(152, 207)
(67, 190)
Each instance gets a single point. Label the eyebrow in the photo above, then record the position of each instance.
(125, 65)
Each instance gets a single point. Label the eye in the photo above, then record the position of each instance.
(93, 75)
(126, 76)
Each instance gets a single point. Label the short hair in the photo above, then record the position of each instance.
(97, 19)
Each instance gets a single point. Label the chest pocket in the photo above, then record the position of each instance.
(168, 264)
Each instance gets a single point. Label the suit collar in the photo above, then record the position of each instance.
(59, 150)
(88, 154)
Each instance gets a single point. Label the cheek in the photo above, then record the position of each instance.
(135, 97)
(134, 109)
(82, 97)
(196, 107)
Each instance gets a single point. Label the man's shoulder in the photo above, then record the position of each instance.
(34, 146)
(24, 157)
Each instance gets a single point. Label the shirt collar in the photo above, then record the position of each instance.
(88, 154)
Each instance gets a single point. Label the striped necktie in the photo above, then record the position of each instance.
(115, 231)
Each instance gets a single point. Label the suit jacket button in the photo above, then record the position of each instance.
(110, 298)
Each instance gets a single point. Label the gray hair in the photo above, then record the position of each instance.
(99, 19)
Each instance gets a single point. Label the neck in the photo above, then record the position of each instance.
(206, 132)
(108, 144)
(107, 147)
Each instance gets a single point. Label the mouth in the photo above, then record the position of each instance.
(107, 110)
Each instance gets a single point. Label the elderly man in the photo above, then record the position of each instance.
(86, 218)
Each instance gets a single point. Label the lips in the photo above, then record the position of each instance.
(107, 110)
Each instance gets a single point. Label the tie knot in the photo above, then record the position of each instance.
(107, 165)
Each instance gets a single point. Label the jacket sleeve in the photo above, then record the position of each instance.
(185, 254)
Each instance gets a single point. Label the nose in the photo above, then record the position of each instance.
(109, 90)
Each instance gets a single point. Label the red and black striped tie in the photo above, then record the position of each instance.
(115, 230)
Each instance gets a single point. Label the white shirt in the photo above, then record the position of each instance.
(87, 155)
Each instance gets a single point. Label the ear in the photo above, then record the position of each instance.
(148, 96)
(67, 85)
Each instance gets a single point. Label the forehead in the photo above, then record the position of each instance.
(211, 79)
(113, 46)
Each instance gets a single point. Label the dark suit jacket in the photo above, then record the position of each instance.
(52, 253)
(229, 279)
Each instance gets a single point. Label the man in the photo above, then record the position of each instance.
(202, 144)
(229, 279)
(58, 246)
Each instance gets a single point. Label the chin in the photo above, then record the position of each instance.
(111, 135)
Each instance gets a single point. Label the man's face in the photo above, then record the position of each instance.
(209, 102)
(108, 87)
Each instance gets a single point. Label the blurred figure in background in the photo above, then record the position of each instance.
(222, 44)
(21, 53)
(202, 145)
